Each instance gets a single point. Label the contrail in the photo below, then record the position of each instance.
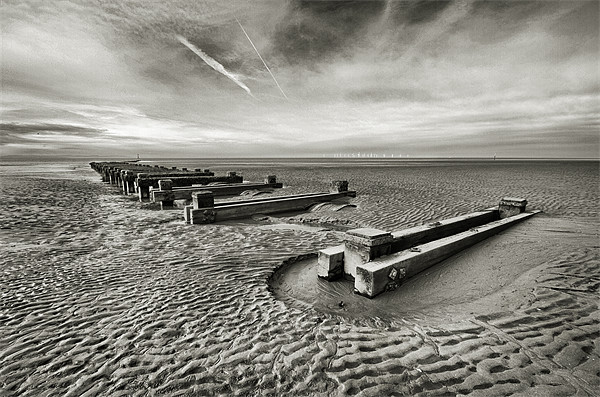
(261, 58)
(213, 64)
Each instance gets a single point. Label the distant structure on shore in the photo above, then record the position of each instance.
(365, 155)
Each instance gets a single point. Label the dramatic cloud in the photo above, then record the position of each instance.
(430, 78)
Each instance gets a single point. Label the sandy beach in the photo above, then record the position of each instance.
(101, 295)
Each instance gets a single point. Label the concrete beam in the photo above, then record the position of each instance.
(185, 193)
(377, 276)
(407, 238)
(271, 205)
(147, 181)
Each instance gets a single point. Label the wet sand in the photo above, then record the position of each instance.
(103, 296)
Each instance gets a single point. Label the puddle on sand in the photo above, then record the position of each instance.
(468, 284)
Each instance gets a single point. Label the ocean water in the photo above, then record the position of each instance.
(101, 295)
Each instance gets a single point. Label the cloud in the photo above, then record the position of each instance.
(64, 129)
(436, 77)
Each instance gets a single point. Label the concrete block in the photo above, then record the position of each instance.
(203, 199)
(330, 263)
(363, 245)
(338, 186)
(511, 206)
(143, 190)
(202, 216)
(129, 182)
(187, 216)
(165, 184)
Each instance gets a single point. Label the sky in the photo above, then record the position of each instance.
(462, 78)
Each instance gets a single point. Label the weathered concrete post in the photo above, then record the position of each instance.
(363, 245)
(338, 186)
(510, 206)
(270, 179)
(129, 185)
(330, 263)
(118, 177)
(143, 188)
(166, 184)
(124, 181)
(203, 200)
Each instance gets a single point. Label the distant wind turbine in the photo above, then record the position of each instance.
(261, 58)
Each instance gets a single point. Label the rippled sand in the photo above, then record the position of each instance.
(100, 295)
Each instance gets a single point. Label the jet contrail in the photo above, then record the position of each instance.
(213, 63)
(261, 58)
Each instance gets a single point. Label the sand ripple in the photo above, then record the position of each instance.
(100, 297)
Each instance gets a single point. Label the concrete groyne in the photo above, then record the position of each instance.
(136, 178)
(167, 193)
(378, 260)
(205, 210)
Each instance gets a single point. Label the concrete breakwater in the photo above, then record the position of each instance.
(167, 193)
(200, 186)
(205, 210)
(135, 178)
(378, 260)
